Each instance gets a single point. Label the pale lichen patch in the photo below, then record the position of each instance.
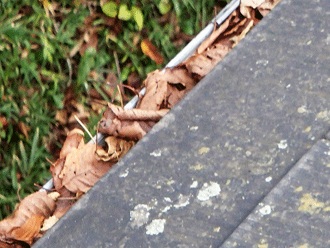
(124, 174)
(155, 227)
(203, 150)
(283, 144)
(156, 153)
(268, 179)
(194, 185)
(265, 210)
(183, 201)
(208, 190)
(193, 128)
(310, 204)
(140, 215)
(196, 167)
(263, 245)
(299, 189)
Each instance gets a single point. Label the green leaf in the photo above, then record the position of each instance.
(48, 49)
(138, 16)
(164, 6)
(110, 9)
(123, 13)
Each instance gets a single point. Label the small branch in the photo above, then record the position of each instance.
(85, 128)
(119, 77)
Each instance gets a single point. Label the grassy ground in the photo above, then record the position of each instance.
(49, 50)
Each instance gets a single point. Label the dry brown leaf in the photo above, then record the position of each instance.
(251, 3)
(128, 124)
(247, 28)
(202, 64)
(165, 88)
(215, 34)
(65, 202)
(115, 149)
(56, 169)
(27, 218)
(82, 170)
(75, 137)
(267, 6)
(151, 51)
(49, 223)
(29, 230)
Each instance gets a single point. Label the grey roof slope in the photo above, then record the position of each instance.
(198, 178)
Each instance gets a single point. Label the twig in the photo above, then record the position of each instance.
(119, 77)
(19, 188)
(85, 128)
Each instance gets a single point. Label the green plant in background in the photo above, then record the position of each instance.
(37, 65)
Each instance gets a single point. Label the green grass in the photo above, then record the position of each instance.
(36, 69)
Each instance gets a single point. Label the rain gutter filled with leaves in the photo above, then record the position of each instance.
(81, 165)
(184, 54)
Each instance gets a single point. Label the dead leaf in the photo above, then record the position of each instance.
(267, 6)
(75, 137)
(215, 34)
(247, 28)
(49, 223)
(164, 88)
(202, 64)
(81, 169)
(128, 124)
(151, 51)
(251, 3)
(29, 230)
(115, 149)
(65, 202)
(24, 224)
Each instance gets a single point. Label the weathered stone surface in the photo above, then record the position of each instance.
(296, 212)
(205, 166)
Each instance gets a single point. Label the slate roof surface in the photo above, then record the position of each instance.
(241, 160)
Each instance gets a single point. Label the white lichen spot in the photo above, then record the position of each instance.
(208, 190)
(216, 229)
(194, 185)
(166, 209)
(156, 153)
(283, 144)
(265, 210)
(203, 150)
(262, 62)
(268, 179)
(183, 201)
(299, 189)
(328, 165)
(302, 109)
(194, 128)
(167, 199)
(309, 42)
(140, 215)
(124, 174)
(155, 227)
(248, 153)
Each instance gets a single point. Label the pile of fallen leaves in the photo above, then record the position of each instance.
(81, 165)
